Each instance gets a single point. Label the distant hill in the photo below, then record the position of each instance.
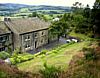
(7, 8)
(10, 8)
(45, 7)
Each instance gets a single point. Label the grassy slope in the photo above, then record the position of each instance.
(88, 68)
(62, 58)
(10, 71)
(81, 36)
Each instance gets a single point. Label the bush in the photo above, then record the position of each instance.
(89, 53)
(98, 43)
(37, 54)
(43, 52)
(12, 61)
(3, 74)
(26, 57)
(42, 56)
(50, 71)
(4, 55)
(21, 58)
(55, 51)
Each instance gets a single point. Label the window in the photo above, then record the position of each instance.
(27, 45)
(0, 44)
(2, 49)
(4, 38)
(26, 37)
(35, 34)
(42, 33)
(41, 41)
(1, 39)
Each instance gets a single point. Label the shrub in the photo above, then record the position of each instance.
(55, 51)
(37, 54)
(26, 57)
(43, 52)
(50, 71)
(18, 58)
(12, 61)
(89, 53)
(3, 74)
(9, 50)
(98, 43)
(4, 55)
(14, 57)
(42, 56)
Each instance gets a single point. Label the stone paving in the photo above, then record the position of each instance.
(49, 46)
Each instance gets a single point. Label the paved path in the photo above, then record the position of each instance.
(50, 45)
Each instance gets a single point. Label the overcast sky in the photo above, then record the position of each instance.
(49, 2)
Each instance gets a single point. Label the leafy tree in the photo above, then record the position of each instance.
(51, 15)
(77, 8)
(96, 17)
(34, 14)
(43, 17)
(81, 21)
(59, 27)
(87, 12)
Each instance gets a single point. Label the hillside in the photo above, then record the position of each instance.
(10, 71)
(9, 8)
(67, 60)
(59, 57)
(85, 67)
(82, 57)
(78, 57)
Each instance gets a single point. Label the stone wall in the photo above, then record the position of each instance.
(6, 42)
(33, 40)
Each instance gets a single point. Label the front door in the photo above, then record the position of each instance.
(35, 44)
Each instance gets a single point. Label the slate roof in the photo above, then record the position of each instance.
(3, 28)
(24, 25)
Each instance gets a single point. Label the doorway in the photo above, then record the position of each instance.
(35, 44)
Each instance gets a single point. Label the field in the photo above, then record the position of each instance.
(59, 57)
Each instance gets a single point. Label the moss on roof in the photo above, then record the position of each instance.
(3, 28)
(24, 25)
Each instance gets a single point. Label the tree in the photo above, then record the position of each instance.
(43, 17)
(81, 20)
(77, 8)
(34, 14)
(96, 17)
(59, 27)
(87, 12)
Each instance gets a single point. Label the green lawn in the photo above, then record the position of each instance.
(81, 36)
(61, 58)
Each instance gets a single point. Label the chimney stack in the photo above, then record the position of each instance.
(7, 19)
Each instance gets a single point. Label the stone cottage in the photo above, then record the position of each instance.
(5, 37)
(28, 33)
(25, 33)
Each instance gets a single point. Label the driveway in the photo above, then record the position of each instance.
(49, 46)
